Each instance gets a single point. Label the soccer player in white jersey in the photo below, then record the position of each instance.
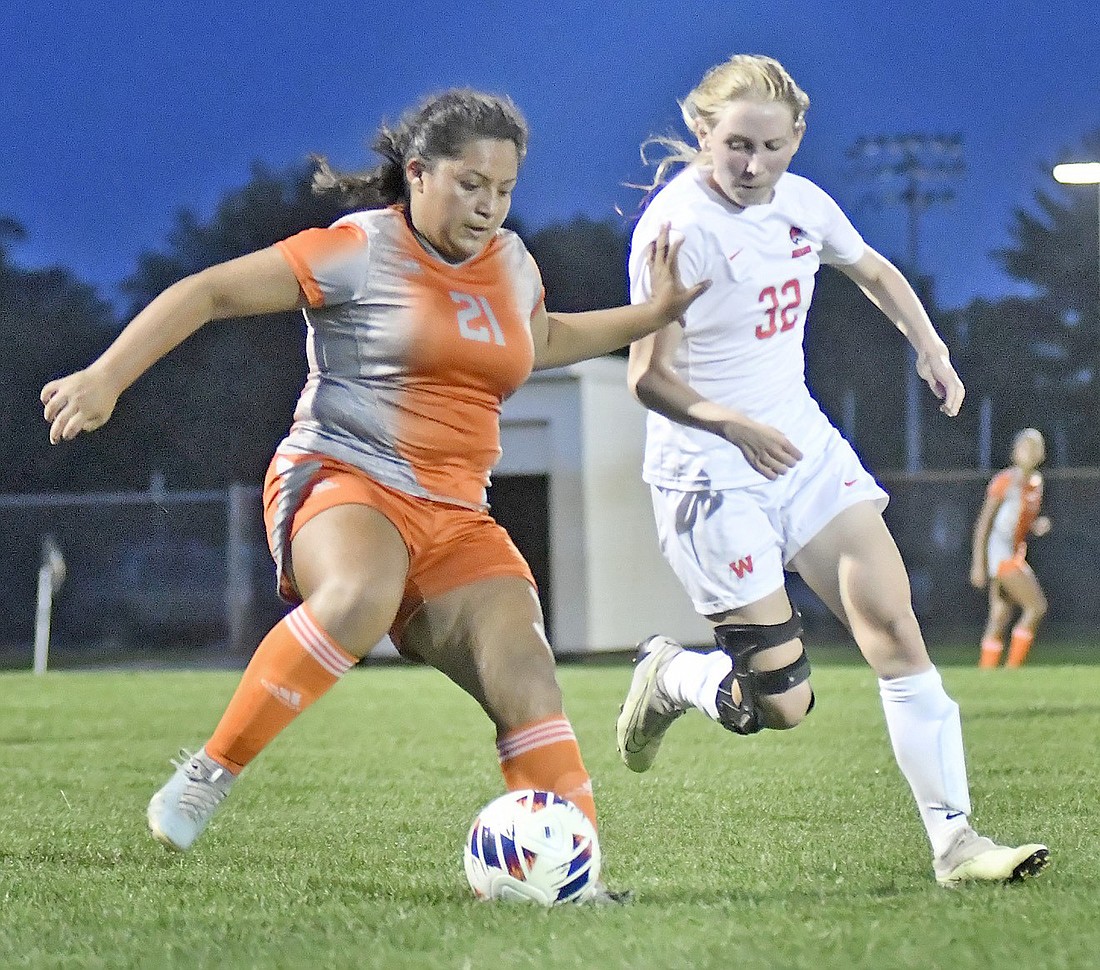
(748, 476)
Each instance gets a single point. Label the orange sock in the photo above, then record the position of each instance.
(1019, 646)
(293, 665)
(544, 755)
(991, 652)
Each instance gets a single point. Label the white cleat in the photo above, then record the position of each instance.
(180, 810)
(646, 713)
(974, 858)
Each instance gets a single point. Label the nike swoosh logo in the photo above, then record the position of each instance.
(850, 483)
(951, 815)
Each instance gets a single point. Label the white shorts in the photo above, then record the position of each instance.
(730, 547)
(999, 550)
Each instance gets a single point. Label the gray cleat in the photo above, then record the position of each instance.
(646, 713)
(180, 810)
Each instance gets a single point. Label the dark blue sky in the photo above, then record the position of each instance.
(115, 116)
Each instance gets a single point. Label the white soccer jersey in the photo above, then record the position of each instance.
(742, 341)
(1020, 498)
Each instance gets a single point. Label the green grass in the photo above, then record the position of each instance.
(341, 846)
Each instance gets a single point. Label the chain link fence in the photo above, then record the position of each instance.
(931, 515)
(166, 577)
(148, 575)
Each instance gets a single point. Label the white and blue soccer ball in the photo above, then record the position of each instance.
(532, 846)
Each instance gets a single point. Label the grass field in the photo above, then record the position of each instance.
(341, 846)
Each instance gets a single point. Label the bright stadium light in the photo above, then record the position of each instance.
(1084, 173)
(1078, 173)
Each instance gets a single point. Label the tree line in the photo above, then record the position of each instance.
(211, 412)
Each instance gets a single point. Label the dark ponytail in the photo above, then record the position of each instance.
(439, 127)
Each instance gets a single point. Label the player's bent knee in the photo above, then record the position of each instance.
(518, 701)
(356, 613)
(769, 698)
(781, 712)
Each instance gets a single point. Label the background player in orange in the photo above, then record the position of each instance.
(1009, 514)
(422, 315)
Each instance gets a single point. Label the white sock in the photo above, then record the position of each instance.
(926, 733)
(691, 679)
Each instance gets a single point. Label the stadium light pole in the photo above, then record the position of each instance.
(1084, 173)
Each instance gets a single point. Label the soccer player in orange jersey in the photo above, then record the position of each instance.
(422, 315)
(1009, 515)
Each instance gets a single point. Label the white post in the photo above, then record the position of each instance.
(51, 574)
(913, 458)
(42, 620)
(985, 434)
(238, 579)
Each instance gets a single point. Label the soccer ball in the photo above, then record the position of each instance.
(532, 846)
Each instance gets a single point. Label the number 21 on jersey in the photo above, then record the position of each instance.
(476, 320)
(781, 308)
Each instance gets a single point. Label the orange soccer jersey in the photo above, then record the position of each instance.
(410, 356)
(1020, 499)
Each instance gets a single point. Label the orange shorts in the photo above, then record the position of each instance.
(1006, 567)
(449, 546)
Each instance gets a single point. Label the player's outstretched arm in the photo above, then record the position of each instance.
(888, 289)
(565, 338)
(260, 282)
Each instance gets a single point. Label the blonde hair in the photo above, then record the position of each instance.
(1028, 434)
(749, 76)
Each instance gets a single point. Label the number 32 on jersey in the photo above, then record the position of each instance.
(781, 308)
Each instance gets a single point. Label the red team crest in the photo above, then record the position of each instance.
(797, 236)
(742, 566)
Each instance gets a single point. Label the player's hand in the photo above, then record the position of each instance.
(765, 448)
(934, 368)
(978, 578)
(83, 401)
(668, 294)
(1041, 526)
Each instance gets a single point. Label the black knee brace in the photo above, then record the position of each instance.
(741, 642)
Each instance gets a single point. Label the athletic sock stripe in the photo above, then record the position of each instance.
(547, 724)
(317, 643)
(326, 650)
(312, 644)
(508, 752)
(525, 735)
(530, 739)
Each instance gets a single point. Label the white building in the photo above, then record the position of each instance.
(609, 586)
